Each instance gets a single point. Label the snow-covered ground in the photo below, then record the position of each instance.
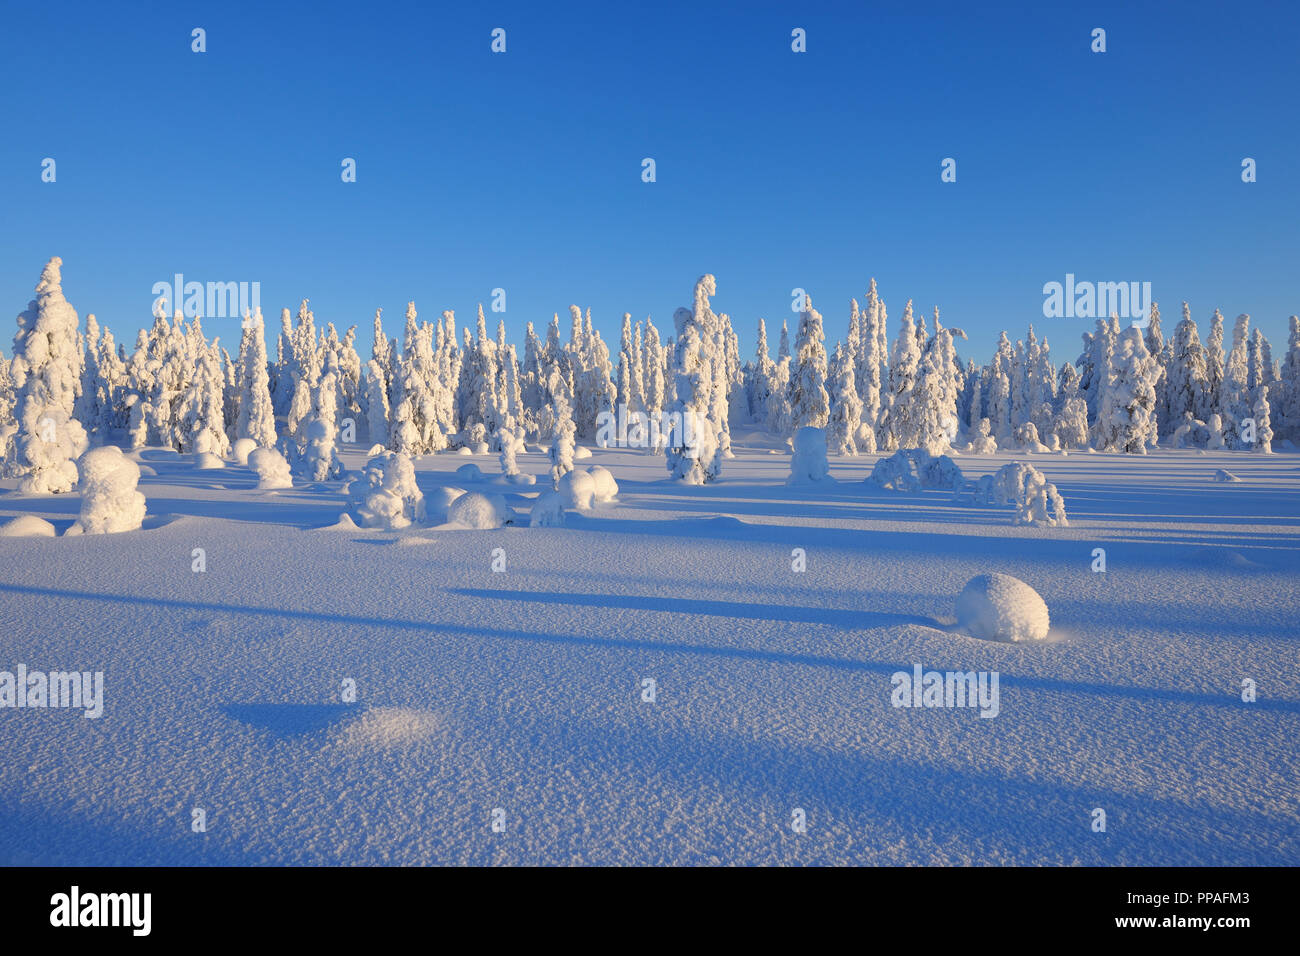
(522, 690)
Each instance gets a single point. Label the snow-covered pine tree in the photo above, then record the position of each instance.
(46, 373)
(1234, 393)
(562, 444)
(846, 406)
(200, 425)
(256, 412)
(872, 364)
(377, 408)
(319, 460)
(1215, 363)
(1071, 422)
(902, 415)
(809, 402)
(1126, 421)
(655, 398)
(692, 453)
(1263, 422)
(1185, 391)
(1290, 383)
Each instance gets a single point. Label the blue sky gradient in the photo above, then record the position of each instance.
(775, 170)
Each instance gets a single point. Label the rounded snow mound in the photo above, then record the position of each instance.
(606, 486)
(27, 526)
(383, 728)
(241, 449)
(479, 512)
(548, 511)
(578, 490)
(272, 470)
(376, 449)
(580, 452)
(1222, 474)
(479, 448)
(462, 450)
(206, 461)
(521, 478)
(438, 501)
(109, 501)
(469, 472)
(998, 607)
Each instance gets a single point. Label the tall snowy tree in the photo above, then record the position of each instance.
(1126, 421)
(256, 412)
(46, 373)
(846, 406)
(809, 402)
(1185, 392)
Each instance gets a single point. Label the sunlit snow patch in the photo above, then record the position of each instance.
(385, 728)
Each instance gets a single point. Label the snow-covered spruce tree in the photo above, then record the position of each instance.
(562, 444)
(692, 454)
(655, 384)
(902, 415)
(625, 362)
(46, 372)
(1000, 385)
(1214, 367)
(1126, 421)
(256, 411)
(846, 406)
(1234, 394)
(1263, 422)
(809, 403)
(694, 450)
(637, 399)
(1290, 380)
(596, 392)
(1186, 389)
(381, 352)
(934, 417)
(319, 458)
(872, 366)
(780, 421)
(86, 409)
(783, 350)
(760, 378)
(1094, 363)
(200, 424)
(376, 403)
(1071, 423)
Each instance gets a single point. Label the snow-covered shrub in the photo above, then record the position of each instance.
(385, 495)
(578, 490)
(606, 486)
(808, 464)
(469, 472)
(479, 448)
(241, 449)
(109, 499)
(1026, 436)
(914, 469)
(998, 607)
(272, 470)
(1221, 474)
(1036, 500)
(982, 441)
(1215, 440)
(476, 511)
(206, 461)
(548, 511)
(27, 526)
(581, 453)
(376, 449)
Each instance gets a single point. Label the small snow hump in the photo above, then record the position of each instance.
(998, 607)
(1223, 474)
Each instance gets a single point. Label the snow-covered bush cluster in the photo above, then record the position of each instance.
(440, 387)
(914, 469)
(386, 495)
(109, 499)
(1036, 500)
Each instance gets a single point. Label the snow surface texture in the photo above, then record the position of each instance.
(998, 607)
(109, 500)
(523, 690)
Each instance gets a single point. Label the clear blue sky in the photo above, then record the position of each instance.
(775, 170)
